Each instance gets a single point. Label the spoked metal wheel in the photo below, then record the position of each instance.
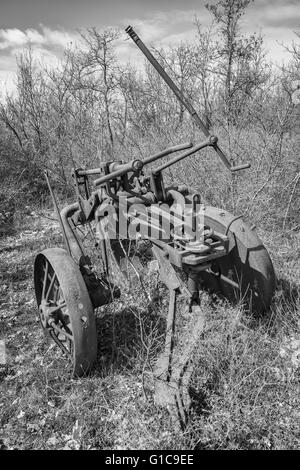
(65, 308)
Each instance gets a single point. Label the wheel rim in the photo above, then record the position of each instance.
(65, 309)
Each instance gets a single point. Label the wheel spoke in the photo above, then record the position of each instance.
(60, 344)
(54, 326)
(66, 327)
(56, 308)
(56, 297)
(50, 287)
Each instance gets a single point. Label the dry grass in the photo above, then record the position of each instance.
(245, 384)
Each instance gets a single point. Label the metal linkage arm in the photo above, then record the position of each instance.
(166, 152)
(119, 169)
(206, 143)
(152, 158)
(130, 31)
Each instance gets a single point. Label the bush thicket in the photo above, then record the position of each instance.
(94, 108)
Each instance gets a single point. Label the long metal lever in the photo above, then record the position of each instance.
(130, 31)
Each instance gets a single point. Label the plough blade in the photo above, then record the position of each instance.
(172, 378)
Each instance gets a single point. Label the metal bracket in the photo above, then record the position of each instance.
(167, 272)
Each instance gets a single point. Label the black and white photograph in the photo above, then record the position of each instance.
(150, 228)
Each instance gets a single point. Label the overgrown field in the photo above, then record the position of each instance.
(94, 108)
(245, 382)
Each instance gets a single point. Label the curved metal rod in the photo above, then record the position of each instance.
(195, 149)
(76, 249)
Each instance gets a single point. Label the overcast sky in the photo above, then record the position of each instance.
(50, 25)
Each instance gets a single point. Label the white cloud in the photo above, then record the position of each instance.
(14, 37)
(161, 29)
(11, 38)
(34, 37)
(162, 25)
(58, 38)
(281, 15)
